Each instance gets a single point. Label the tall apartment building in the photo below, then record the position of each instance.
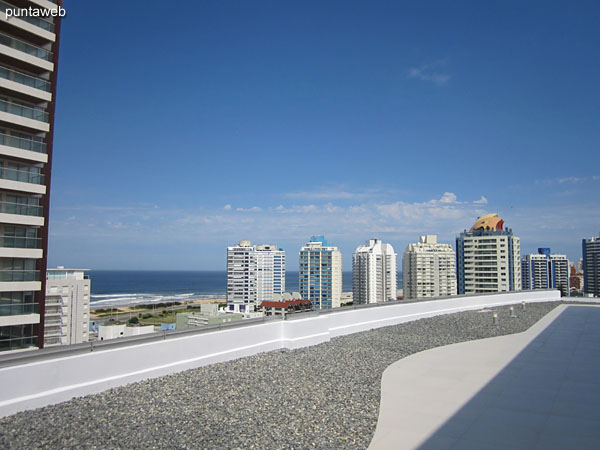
(488, 258)
(321, 274)
(374, 273)
(28, 63)
(591, 266)
(67, 307)
(428, 269)
(254, 274)
(545, 271)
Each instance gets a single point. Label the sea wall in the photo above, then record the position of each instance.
(40, 378)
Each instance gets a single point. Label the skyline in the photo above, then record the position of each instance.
(274, 123)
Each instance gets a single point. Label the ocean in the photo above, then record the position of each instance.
(130, 287)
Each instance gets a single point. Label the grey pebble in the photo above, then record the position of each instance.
(324, 397)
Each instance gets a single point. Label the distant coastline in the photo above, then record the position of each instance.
(133, 287)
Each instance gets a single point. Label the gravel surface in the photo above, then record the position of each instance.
(325, 396)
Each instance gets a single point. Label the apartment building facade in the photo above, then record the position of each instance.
(428, 269)
(28, 74)
(374, 273)
(488, 258)
(321, 274)
(591, 266)
(545, 271)
(254, 274)
(67, 307)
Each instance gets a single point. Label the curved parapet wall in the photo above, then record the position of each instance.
(81, 370)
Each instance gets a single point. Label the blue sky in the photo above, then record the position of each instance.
(183, 128)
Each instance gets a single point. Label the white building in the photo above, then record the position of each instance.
(488, 258)
(321, 274)
(106, 332)
(67, 307)
(374, 273)
(545, 271)
(254, 274)
(428, 269)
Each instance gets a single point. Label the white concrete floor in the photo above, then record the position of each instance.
(534, 390)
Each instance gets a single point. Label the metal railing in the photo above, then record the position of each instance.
(19, 275)
(20, 242)
(38, 22)
(23, 143)
(16, 309)
(23, 176)
(24, 79)
(24, 111)
(24, 47)
(20, 209)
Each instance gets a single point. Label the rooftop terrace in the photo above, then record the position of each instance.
(323, 396)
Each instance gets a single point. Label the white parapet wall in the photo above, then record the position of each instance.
(61, 377)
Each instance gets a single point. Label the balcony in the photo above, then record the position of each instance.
(53, 312)
(38, 22)
(23, 176)
(18, 309)
(28, 85)
(7, 344)
(53, 322)
(32, 144)
(21, 209)
(19, 275)
(26, 48)
(28, 112)
(20, 242)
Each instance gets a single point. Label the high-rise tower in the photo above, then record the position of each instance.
(545, 271)
(428, 269)
(254, 274)
(373, 273)
(321, 273)
(28, 73)
(591, 266)
(488, 258)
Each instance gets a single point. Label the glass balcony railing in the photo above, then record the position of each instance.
(7, 343)
(24, 79)
(21, 209)
(24, 111)
(16, 309)
(19, 275)
(38, 22)
(20, 242)
(23, 176)
(25, 47)
(32, 144)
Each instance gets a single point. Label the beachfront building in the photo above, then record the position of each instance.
(67, 307)
(254, 274)
(320, 274)
(428, 269)
(591, 266)
(545, 271)
(28, 62)
(488, 258)
(374, 273)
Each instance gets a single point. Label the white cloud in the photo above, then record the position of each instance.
(448, 197)
(331, 193)
(227, 207)
(568, 180)
(430, 72)
(482, 201)
(252, 209)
